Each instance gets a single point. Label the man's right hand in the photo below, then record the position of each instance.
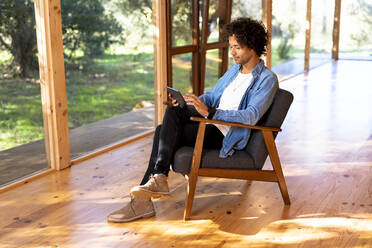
(171, 102)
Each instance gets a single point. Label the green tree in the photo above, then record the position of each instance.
(362, 11)
(182, 21)
(245, 8)
(17, 34)
(135, 16)
(285, 27)
(85, 25)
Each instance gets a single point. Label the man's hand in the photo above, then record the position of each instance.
(171, 102)
(199, 105)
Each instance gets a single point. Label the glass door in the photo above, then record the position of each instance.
(22, 144)
(197, 54)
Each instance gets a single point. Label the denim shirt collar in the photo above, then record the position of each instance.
(257, 69)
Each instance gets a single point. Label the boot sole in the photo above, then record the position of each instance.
(147, 194)
(146, 215)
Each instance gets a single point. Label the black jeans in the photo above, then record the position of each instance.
(177, 130)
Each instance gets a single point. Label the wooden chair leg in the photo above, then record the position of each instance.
(275, 161)
(193, 177)
(189, 197)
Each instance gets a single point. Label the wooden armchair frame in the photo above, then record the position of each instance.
(275, 175)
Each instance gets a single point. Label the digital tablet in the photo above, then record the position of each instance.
(176, 94)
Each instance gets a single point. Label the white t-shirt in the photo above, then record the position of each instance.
(232, 96)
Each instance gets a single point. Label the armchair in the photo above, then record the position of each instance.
(245, 164)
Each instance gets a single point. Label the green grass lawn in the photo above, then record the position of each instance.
(102, 88)
(21, 118)
(105, 87)
(111, 85)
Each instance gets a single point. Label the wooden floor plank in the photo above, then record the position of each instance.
(326, 155)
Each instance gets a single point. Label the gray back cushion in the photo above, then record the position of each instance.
(255, 153)
(274, 117)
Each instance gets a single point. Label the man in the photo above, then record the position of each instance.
(242, 94)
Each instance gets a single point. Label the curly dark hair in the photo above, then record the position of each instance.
(248, 32)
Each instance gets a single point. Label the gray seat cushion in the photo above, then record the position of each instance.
(255, 153)
(210, 159)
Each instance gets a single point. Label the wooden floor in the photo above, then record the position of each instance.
(326, 153)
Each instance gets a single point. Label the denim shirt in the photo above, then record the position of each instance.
(255, 101)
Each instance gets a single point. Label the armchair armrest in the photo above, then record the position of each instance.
(233, 124)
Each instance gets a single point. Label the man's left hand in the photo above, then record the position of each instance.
(199, 105)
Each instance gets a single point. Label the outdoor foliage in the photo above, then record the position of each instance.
(17, 35)
(286, 38)
(285, 28)
(86, 27)
(128, 80)
(362, 10)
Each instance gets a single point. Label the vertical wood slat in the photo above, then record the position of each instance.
(196, 42)
(336, 29)
(160, 58)
(267, 14)
(308, 33)
(203, 45)
(52, 82)
(224, 52)
(168, 18)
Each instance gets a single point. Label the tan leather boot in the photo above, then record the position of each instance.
(156, 187)
(135, 209)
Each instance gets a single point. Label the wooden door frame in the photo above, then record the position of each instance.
(336, 30)
(198, 47)
(192, 48)
(221, 45)
(267, 16)
(52, 82)
(308, 36)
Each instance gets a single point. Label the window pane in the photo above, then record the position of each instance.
(182, 73)
(22, 149)
(109, 71)
(243, 8)
(356, 29)
(213, 22)
(217, 18)
(288, 37)
(181, 22)
(211, 69)
(321, 32)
